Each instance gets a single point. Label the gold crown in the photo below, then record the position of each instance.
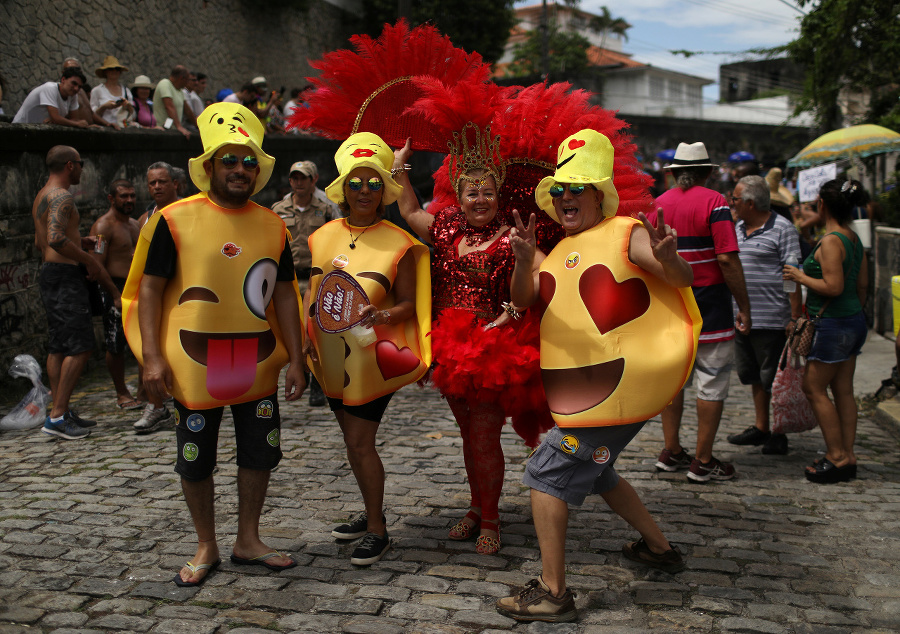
(482, 153)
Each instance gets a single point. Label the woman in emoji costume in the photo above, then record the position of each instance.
(211, 309)
(368, 323)
(618, 338)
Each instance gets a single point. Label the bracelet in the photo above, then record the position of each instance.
(396, 170)
(387, 316)
(511, 311)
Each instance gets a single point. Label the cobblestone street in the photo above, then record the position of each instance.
(92, 531)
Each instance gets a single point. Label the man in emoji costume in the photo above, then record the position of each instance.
(618, 338)
(368, 323)
(211, 310)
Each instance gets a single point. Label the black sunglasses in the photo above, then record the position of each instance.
(229, 160)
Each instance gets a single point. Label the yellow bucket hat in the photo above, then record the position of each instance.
(364, 149)
(224, 124)
(586, 158)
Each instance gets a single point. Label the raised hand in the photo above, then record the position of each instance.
(522, 240)
(663, 238)
(402, 156)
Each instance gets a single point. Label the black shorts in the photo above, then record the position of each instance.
(113, 333)
(757, 355)
(373, 410)
(64, 292)
(257, 431)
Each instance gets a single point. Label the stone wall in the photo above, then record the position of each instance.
(231, 41)
(107, 155)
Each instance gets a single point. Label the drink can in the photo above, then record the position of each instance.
(100, 244)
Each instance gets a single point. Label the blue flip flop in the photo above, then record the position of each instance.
(194, 569)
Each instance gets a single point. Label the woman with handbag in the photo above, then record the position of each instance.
(836, 275)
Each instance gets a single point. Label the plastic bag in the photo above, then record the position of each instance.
(31, 411)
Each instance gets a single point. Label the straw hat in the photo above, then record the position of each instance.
(690, 155)
(142, 81)
(110, 62)
(778, 193)
(226, 124)
(586, 158)
(364, 149)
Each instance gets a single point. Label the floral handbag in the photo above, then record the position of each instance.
(791, 411)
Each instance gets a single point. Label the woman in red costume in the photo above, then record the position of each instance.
(486, 351)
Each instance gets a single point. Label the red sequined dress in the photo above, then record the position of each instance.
(500, 365)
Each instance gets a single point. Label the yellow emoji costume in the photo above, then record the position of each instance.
(347, 369)
(617, 343)
(218, 329)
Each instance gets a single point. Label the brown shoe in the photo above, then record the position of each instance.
(535, 602)
(670, 561)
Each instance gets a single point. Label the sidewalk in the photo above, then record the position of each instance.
(92, 532)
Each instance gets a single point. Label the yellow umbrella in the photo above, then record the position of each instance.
(858, 140)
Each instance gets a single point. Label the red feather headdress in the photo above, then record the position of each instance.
(370, 89)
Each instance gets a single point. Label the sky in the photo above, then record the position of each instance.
(724, 27)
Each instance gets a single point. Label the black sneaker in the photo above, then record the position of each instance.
(370, 549)
(81, 422)
(671, 561)
(354, 529)
(776, 445)
(66, 428)
(753, 435)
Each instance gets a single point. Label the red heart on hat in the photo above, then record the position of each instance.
(611, 303)
(574, 144)
(394, 361)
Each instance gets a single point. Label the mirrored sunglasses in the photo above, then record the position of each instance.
(558, 190)
(230, 160)
(356, 184)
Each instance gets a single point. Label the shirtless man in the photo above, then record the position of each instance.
(64, 289)
(116, 233)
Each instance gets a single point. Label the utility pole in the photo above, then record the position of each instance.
(545, 43)
(403, 9)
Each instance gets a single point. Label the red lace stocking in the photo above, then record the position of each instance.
(480, 425)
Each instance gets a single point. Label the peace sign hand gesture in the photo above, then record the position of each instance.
(522, 240)
(663, 238)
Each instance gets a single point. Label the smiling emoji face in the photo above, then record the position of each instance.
(617, 343)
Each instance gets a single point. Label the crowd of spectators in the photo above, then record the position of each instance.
(172, 103)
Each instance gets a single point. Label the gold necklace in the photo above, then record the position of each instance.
(352, 239)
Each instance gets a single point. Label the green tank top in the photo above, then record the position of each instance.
(847, 303)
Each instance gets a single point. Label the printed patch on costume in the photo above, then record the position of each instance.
(573, 259)
(569, 444)
(601, 455)
(362, 153)
(177, 416)
(195, 422)
(340, 261)
(265, 409)
(274, 437)
(190, 452)
(231, 250)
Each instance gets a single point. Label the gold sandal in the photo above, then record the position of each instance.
(485, 544)
(462, 531)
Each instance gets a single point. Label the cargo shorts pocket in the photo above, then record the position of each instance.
(551, 465)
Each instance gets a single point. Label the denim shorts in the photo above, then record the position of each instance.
(838, 338)
(575, 461)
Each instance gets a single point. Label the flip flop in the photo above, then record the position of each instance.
(261, 561)
(194, 569)
(132, 404)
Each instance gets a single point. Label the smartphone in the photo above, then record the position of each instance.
(119, 102)
(168, 123)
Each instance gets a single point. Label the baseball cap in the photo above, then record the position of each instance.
(258, 81)
(307, 168)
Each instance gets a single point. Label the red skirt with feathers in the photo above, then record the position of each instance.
(501, 365)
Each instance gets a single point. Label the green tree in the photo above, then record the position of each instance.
(605, 23)
(473, 25)
(849, 44)
(567, 53)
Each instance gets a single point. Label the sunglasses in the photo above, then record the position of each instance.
(557, 190)
(356, 184)
(249, 162)
(81, 163)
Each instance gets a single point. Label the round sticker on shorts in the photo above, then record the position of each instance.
(273, 438)
(190, 452)
(601, 455)
(195, 422)
(177, 416)
(569, 444)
